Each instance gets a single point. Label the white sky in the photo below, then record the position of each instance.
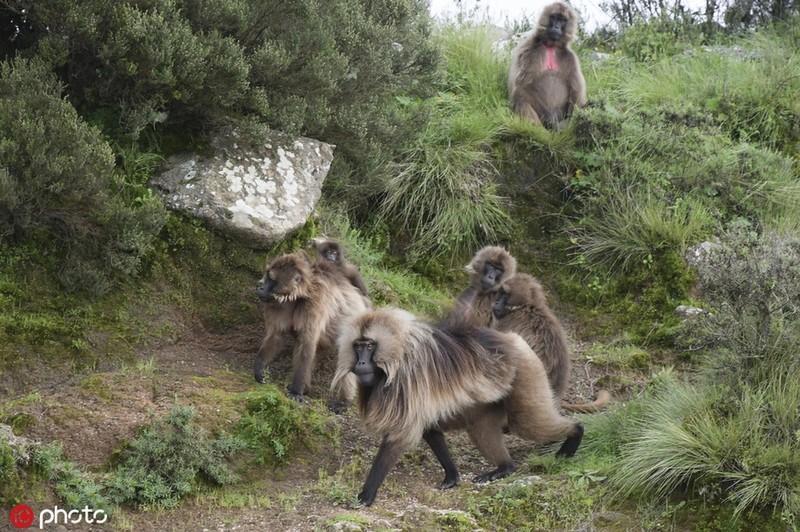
(498, 10)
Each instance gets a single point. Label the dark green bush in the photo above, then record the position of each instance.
(327, 69)
(55, 184)
(659, 37)
(168, 460)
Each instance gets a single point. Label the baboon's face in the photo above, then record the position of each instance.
(492, 276)
(328, 250)
(331, 254)
(366, 369)
(491, 266)
(555, 27)
(285, 279)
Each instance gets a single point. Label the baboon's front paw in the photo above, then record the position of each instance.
(448, 483)
(297, 397)
(337, 407)
(500, 472)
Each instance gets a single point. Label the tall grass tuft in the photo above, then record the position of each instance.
(444, 194)
(446, 199)
(733, 436)
(739, 447)
(636, 224)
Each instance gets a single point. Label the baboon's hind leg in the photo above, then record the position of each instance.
(486, 432)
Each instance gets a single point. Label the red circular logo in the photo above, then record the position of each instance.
(21, 516)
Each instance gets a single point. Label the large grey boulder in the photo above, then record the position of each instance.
(257, 193)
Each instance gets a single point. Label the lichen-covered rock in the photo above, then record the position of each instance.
(255, 193)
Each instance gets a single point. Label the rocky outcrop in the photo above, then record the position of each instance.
(256, 193)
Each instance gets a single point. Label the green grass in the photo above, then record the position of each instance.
(749, 93)
(634, 225)
(683, 437)
(444, 194)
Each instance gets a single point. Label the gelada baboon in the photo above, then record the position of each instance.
(545, 81)
(489, 268)
(521, 307)
(416, 381)
(330, 253)
(307, 304)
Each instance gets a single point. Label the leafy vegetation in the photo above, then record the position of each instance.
(168, 460)
(55, 185)
(273, 426)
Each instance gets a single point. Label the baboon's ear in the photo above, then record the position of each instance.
(305, 256)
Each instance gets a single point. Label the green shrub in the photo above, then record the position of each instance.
(273, 426)
(330, 69)
(168, 460)
(751, 282)
(658, 37)
(55, 174)
(74, 487)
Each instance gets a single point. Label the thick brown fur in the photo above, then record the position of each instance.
(474, 304)
(542, 90)
(331, 255)
(307, 304)
(521, 307)
(438, 379)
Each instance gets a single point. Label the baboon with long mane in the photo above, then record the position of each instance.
(306, 304)
(331, 255)
(488, 270)
(521, 307)
(545, 82)
(416, 381)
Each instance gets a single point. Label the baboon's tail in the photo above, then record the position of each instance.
(602, 400)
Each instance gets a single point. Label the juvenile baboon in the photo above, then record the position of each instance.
(545, 81)
(330, 252)
(307, 304)
(416, 381)
(521, 307)
(489, 268)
